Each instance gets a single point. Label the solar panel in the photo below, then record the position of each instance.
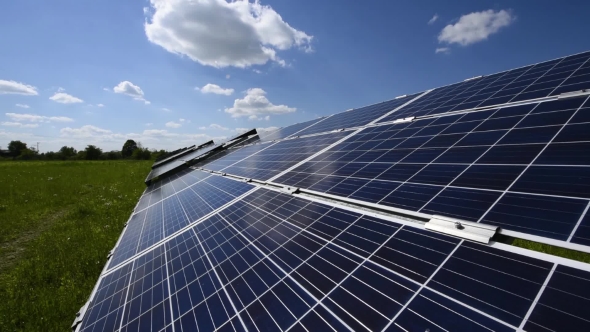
(356, 117)
(169, 214)
(276, 262)
(263, 161)
(536, 81)
(495, 166)
(351, 250)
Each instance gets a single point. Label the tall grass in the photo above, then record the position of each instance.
(58, 221)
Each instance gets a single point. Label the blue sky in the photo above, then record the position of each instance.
(172, 73)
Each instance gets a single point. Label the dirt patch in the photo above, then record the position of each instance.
(11, 251)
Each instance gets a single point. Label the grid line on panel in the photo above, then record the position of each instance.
(540, 80)
(213, 211)
(175, 193)
(531, 164)
(126, 295)
(579, 222)
(327, 148)
(168, 285)
(478, 158)
(423, 285)
(288, 275)
(541, 290)
(365, 260)
(219, 279)
(444, 188)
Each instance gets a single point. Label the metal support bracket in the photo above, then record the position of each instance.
(290, 190)
(110, 254)
(408, 119)
(573, 94)
(80, 316)
(460, 228)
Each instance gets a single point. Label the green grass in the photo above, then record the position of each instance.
(58, 221)
(551, 250)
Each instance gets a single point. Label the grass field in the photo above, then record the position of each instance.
(58, 221)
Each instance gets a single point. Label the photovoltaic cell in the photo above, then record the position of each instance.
(521, 168)
(158, 171)
(541, 80)
(188, 260)
(267, 160)
(276, 262)
(173, 213)
(356, 117)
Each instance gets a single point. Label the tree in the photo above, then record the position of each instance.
(27, 154)
(67, 152)
(128, 148)
(142, 154)
(92, 152)
(16, 147)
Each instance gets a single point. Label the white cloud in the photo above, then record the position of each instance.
(227, 76)
(475, 27)
(149, 124)
(267, 129)
(64, 98)
(23, 106)
(255, 104)
(17, 88)
(214, 126)
(172, 124)
(84, 131)
(166, 110)
(257, 71)
(218, 33)
(132, 90)
(444, 50)
(216, 89)
(107, 89)
(99, 105)
(22, 117)
(20, 125)
(241, 130)
(433, 19)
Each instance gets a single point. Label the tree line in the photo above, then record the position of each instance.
(18, 150)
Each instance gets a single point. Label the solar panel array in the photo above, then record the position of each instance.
(204, 252)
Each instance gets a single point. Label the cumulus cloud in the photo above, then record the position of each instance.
(216, 89)
(475, 27)
(149, 124)
(166, 110)
(20, 125)
(132, 90)
(84, 131)
(22, 117)
(255, 104)
(219, 33)
(99, 105)
(444, 50)
(433, 19)
(64, 98)
(23, 106)
(17, 88)
(172, 124)
(214, 126)
(267, 129)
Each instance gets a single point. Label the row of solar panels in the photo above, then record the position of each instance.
(181, 160)
(208, 252)
(271, 261)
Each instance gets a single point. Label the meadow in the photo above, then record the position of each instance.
(58, 221)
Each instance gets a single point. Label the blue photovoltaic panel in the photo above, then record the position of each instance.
(288, 131)
(356, 117)
(265, 161)
(524, 168)
(165, 217)
(275, 262)
(541, 80)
